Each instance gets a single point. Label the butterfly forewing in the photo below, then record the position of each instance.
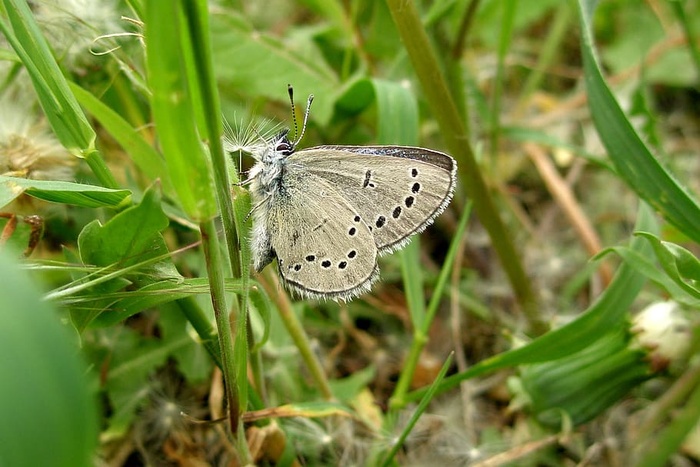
(323, 247)
(396, 190)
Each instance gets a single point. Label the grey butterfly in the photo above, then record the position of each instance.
(326, 213)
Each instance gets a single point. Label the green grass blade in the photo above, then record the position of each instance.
(422, 406)
(691, 35)
(62, 110)
(60, 106)
(634, 162)
(397, 121)
(446, 269)
(648, 267)
(206, 98)
(76, 194)
(173, 112)
(412, 274)
(397, 113)
(509, 8)
(679, 264)
(453, 130)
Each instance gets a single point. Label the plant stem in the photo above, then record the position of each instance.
(297, 333)
(453, 130)
(196, 17)
(223, 323)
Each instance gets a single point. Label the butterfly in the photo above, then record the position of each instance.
(328, 212)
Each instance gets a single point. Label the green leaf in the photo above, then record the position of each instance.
(631, 157)
(586, 383)
(651, 271)
(412, 274)
(123, 304)
(128, 239)
(44, 395)
(397, 119)
(422, 407)
(357, 95)
(60, 106)
(679, 273)
(151, 296)
(77, 194)
(397, 113)
(193, 360)
(256, 64)
(680, 264)
(262, 305)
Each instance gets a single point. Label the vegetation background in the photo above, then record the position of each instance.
(549, 317)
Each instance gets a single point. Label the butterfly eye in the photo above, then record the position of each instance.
(285, 147)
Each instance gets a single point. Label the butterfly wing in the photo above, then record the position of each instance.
(397, 190)
(323, 248)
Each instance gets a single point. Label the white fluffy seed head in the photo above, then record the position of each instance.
(251, 138)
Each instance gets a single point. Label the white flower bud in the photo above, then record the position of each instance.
(664, 331)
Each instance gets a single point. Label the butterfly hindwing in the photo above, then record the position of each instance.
(324, 248)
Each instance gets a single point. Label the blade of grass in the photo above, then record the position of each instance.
(296, 331)
(651, 271)
(77, 194)
(691, 36)
(52, 403)
(558, 31)
(397, 113)
(422, 406)
(173, 111)
(412, 275)
(509, 8)
(634, 162)
(397, 121)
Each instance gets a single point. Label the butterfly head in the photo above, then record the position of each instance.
(277, 149)
(282, 145)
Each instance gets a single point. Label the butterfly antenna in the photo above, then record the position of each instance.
(290, 91)
(306, 118)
